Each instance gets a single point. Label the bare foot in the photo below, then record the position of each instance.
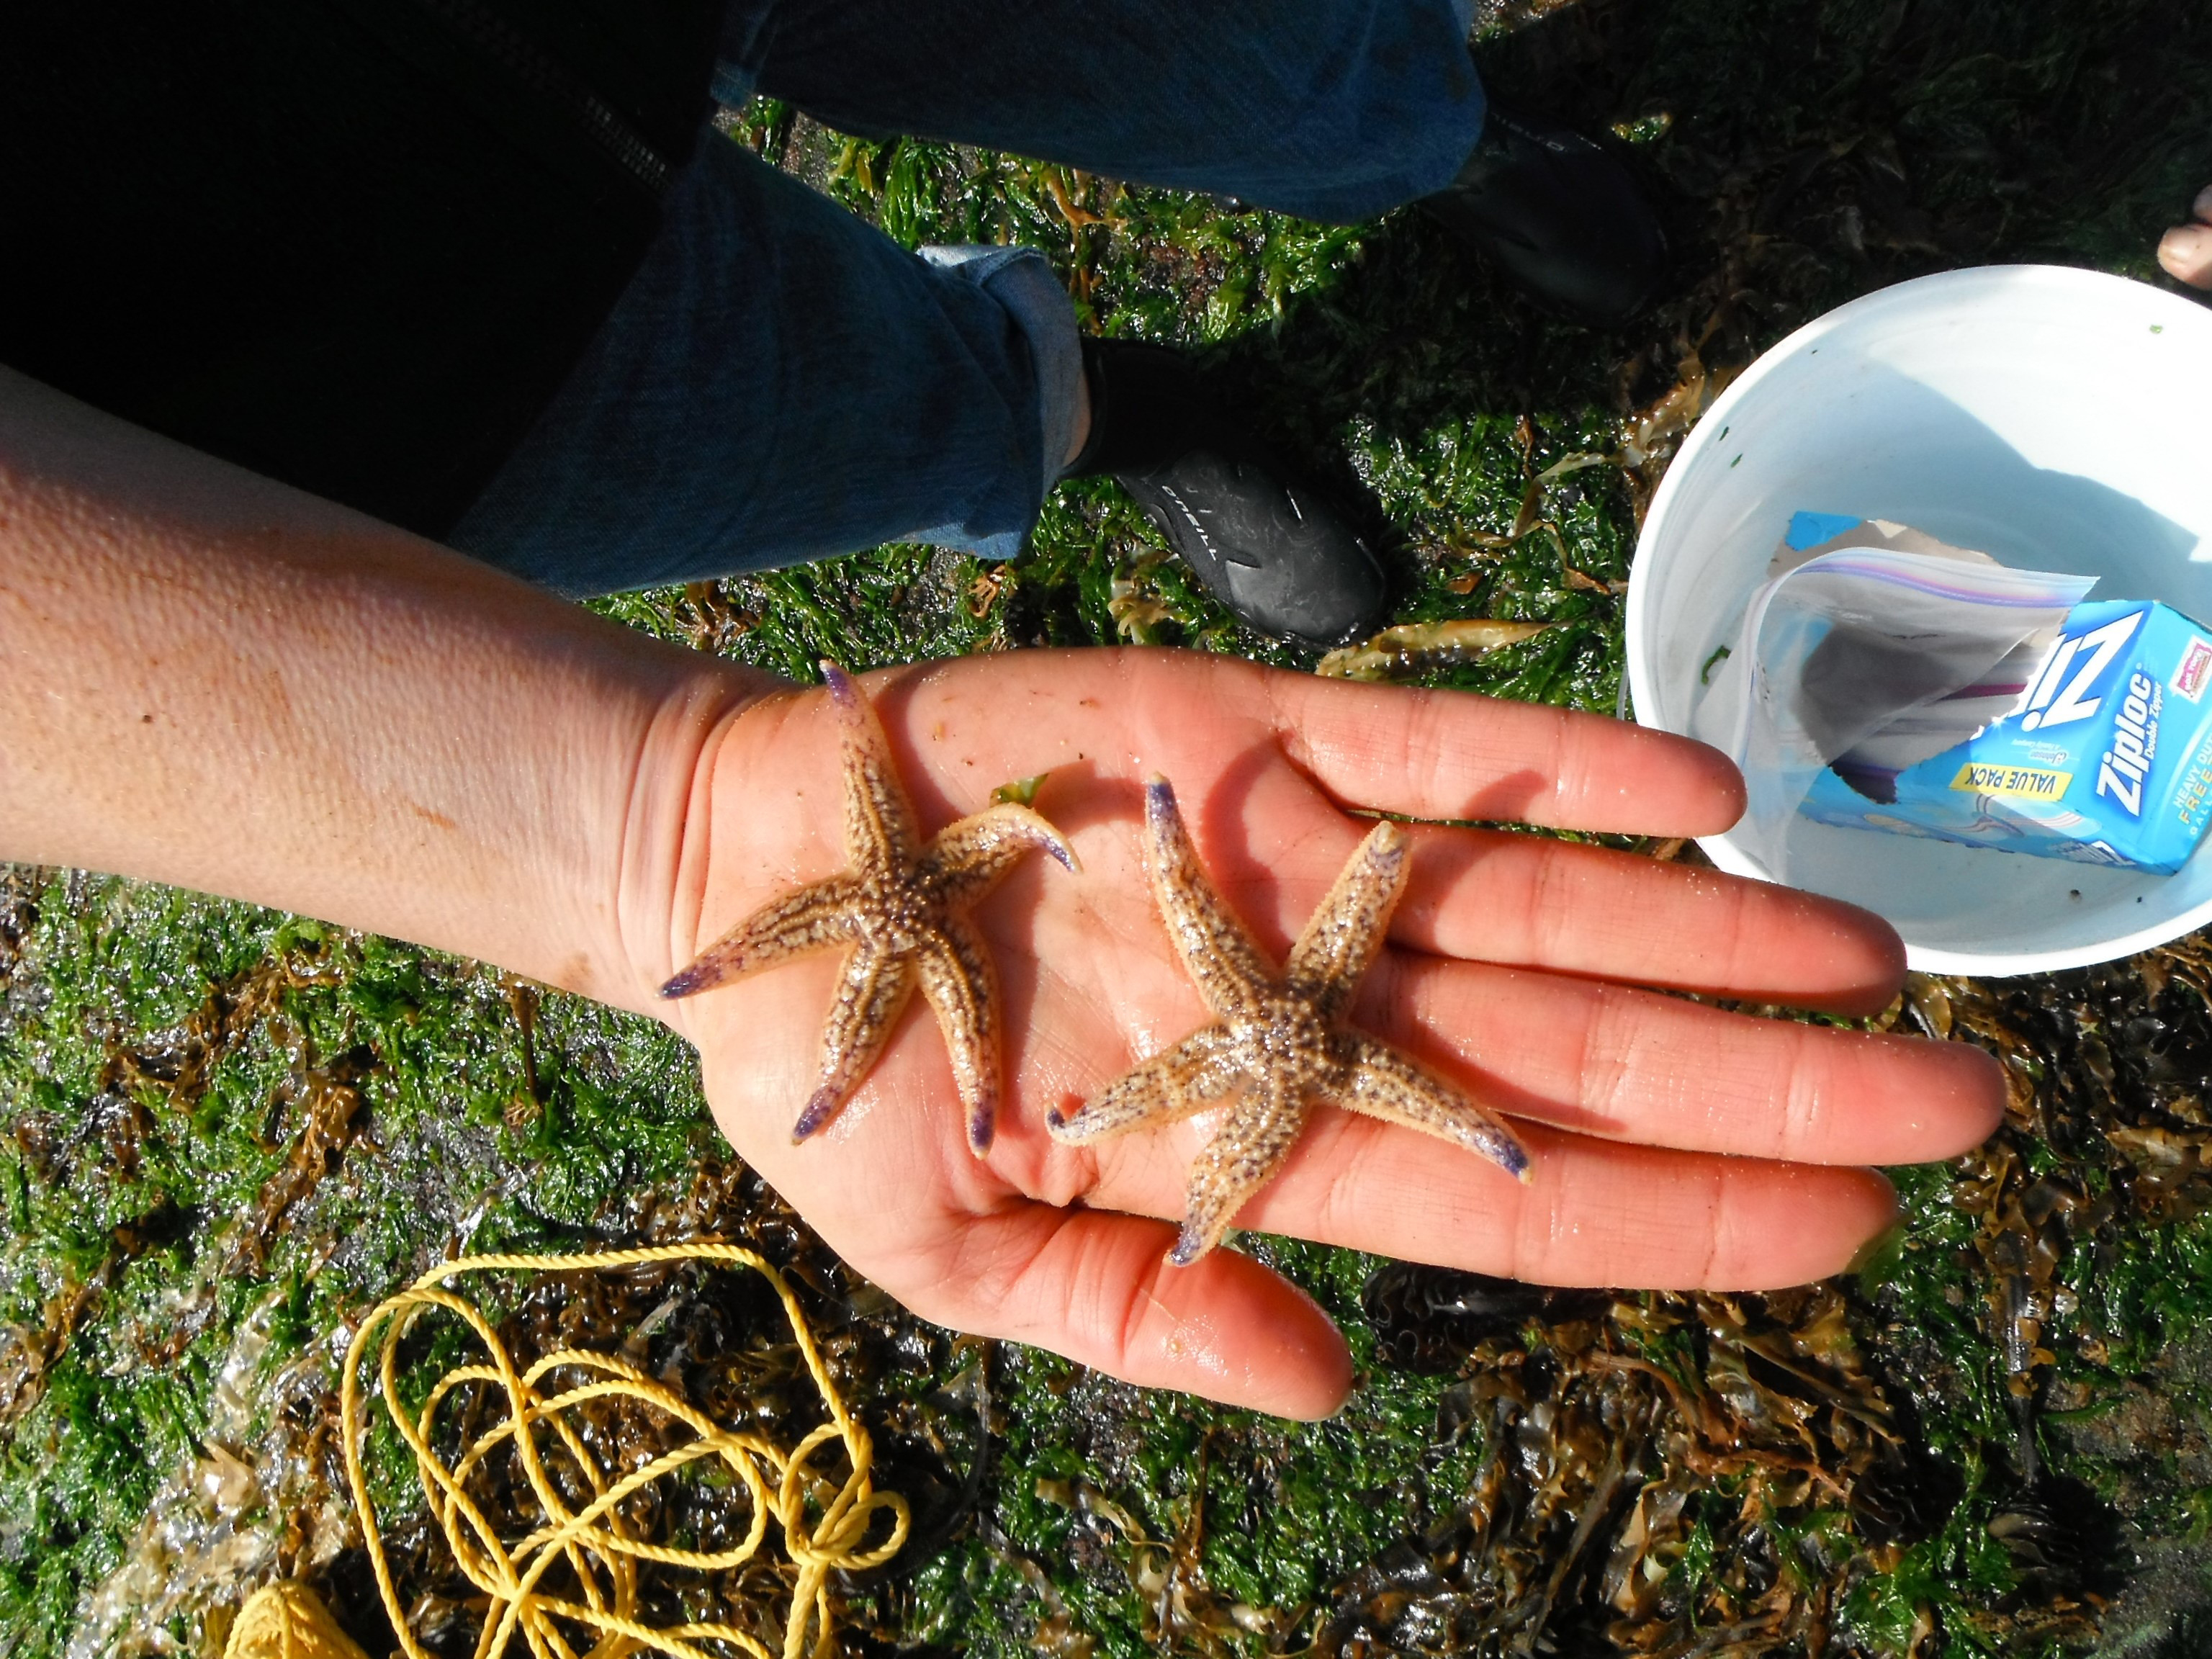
(2186, 250)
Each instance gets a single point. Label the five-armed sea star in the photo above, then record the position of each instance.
(1279, 1042)
(901, 909)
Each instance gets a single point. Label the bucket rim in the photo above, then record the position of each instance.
(1640, 670)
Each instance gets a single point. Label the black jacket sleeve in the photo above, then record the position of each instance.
(354, 244)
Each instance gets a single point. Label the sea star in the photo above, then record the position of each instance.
(1279, 1042)
(902, 910)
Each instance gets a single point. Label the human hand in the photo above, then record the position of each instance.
(339, 719)
(2186, 250)
(1675, 1145)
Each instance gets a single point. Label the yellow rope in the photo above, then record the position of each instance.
(594, 1542)
(288, 1620)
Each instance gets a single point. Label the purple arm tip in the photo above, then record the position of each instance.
(714, 967)
(819, 1107)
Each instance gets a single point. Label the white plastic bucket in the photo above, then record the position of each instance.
(2054, 418)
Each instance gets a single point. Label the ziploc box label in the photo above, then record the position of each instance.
(2104, 760)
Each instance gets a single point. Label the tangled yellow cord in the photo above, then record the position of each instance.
(594, 1541)
(288, 1620)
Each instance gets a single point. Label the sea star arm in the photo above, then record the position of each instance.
(1342, 940)
(903, 910)
(962, 985)
(809, 918)
(1171, 1085)
(879, 822)
(1220, 955)
(871, 990)
(1382, 1083)
(966, 859)
(1242, 1156)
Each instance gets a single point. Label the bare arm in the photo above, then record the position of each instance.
(210, 679)
(214, 681)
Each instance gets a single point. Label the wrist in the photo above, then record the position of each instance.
(705, 725)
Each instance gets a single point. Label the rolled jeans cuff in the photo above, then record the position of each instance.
(1021, 279)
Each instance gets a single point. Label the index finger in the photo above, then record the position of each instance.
(1430, 754)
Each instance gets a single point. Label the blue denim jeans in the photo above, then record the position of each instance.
(782, 382)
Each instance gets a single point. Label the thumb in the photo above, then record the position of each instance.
(1097, 1288)
(2186, 253)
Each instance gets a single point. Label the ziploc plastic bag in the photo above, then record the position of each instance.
(1871, 648)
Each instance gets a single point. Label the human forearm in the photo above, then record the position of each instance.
(212, 680)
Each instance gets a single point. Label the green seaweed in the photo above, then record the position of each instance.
(1806, 151)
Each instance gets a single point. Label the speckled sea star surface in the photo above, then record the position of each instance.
(1279, 1043)
(901, 912)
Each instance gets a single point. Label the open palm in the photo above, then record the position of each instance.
(1675, 1145)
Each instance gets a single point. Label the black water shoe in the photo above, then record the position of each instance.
(1560, 216)
(1271, 549)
